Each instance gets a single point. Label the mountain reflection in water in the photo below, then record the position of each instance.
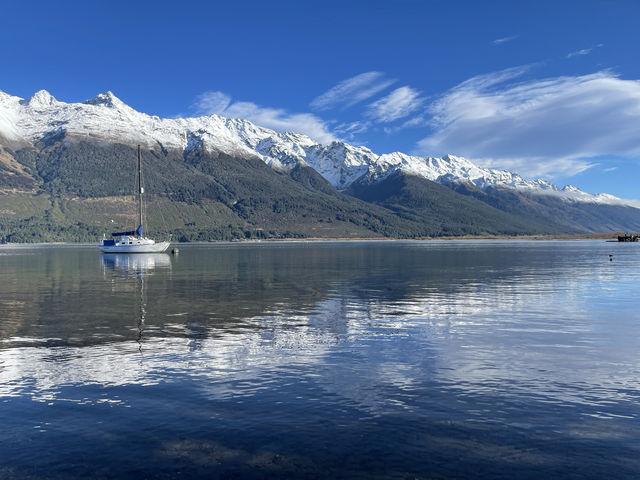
(422, 359)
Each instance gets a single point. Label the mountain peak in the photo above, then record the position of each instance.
(107, 99)
(41, 98)
(106, 117)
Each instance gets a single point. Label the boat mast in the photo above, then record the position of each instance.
(140, 189)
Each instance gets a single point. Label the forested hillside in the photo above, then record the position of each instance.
(71, 190)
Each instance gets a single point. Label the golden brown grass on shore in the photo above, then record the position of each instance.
(580, 236)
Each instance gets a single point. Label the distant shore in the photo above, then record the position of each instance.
(580, 236)
(584, 236)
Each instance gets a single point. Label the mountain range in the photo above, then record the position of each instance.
(67, 172)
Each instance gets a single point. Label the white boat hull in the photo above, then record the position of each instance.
(143, 247)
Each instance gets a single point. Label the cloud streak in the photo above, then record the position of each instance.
(398, 104)
(584, 51)
(499, 41)
(274, 118)
(351, 91)
(211, 102)
(546, 127)
(350, 130)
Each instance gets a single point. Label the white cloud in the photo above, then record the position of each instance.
(414, 122)
(499, 41)
(275, 118)
(541, 127)
(584, 51)
(211, 102)
(418, 121)
(537, 167)
(398, 104)
(350, 130)
(352, 90)
(483, 82)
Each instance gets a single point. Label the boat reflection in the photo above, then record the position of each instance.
(137, 263)
(134, 265)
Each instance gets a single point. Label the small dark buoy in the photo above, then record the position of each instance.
(611, 257)
(174, 251)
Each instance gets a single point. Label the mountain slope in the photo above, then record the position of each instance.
(200, 196)
(589, 217)
(68, 168)
(42, 119)
(442, 209)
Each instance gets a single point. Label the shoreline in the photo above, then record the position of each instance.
(613, 236)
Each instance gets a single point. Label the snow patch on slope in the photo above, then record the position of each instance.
(106, 118)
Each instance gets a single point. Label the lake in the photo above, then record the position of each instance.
(418, 359)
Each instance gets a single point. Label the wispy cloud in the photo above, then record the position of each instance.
(502, 40)
(275, 118)
(211, 102)
(546, 127)
(417, 121)
(584, 51)
(351, 91)
(487, 80)
(398, 104)
(350, 130)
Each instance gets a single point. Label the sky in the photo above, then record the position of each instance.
(547, 89)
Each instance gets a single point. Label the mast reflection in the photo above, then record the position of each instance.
(135, 266)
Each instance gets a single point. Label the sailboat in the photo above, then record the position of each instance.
(133, 241)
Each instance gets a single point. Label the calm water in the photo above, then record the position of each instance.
(457, 359)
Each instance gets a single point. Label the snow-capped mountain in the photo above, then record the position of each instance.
(106, 118)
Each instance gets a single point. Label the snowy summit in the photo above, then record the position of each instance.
(106, 118)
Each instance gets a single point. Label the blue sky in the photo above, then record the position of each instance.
(546, 89)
